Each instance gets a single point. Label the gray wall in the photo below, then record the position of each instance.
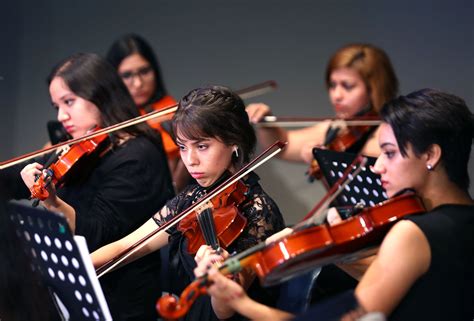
(234, 43)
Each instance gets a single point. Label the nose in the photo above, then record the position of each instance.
(337, 93)
(137, 81)
(62, 115)
(191, 157)
(378, 166)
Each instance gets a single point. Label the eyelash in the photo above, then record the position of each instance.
(346, 86)
(389, 154)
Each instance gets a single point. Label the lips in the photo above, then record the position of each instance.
(197, 175)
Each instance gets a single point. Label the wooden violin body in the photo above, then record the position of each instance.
(227, 219)
(353, 238)
(172, 151)
(67, 163)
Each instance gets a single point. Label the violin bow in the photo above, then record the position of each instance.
(270, 152)
(235, 262)
(315, 215)
(247, 92)
(286, 121)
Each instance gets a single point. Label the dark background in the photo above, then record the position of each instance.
(233, 43)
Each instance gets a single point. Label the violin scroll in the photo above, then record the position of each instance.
(172, 308)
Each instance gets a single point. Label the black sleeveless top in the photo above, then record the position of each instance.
(446, 290)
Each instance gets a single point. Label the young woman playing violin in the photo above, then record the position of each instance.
(101, 200)
(215, 139)
(359, 79)
(424, 266)
(138, 66)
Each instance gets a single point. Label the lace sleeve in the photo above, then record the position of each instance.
(175, 206)
(263, 219)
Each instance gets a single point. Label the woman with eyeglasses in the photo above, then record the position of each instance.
(139, 69)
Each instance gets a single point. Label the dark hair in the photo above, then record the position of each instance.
(428, 117)
(91, 77)
(373, 66)
(216, 112)
(130, 44)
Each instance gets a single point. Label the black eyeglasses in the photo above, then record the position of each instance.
(143, 73)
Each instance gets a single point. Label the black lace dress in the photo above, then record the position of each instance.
(263, 219)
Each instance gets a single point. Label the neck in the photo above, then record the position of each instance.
(444, 192)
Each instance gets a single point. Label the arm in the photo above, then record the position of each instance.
(232, 297)
(206, 257)
(298, 140)
(132, 178)
(53, 203)
(108, 252)
(227, 295)
(404, 256)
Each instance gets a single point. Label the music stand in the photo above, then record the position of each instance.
(366, 188)
(62, 261)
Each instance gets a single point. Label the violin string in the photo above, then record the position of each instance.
(206, 222)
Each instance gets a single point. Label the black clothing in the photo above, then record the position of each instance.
(127, 186)
(446, 290)
(263, 220)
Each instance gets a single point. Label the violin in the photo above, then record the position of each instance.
(221, 227)
(244, 93)
(352, 239)
(57, 172)
(226, 193)
(306, 248)
(339, 142)
(172, 151)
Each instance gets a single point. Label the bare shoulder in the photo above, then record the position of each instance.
(406, 244)
(403, 258)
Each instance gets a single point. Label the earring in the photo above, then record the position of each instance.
(429, 167)
(236, 151)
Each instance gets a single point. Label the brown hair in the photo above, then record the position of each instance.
(373, 65)
(216, 112)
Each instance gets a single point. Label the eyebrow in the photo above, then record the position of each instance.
(194, 142)
(385, 144)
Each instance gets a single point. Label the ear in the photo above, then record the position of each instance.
(433, 155)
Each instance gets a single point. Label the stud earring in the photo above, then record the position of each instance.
(429, 167)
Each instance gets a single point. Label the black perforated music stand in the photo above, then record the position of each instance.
(63, 262)
(365, 188)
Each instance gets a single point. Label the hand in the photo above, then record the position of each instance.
(279, 235)
(333, 216)
(224, 290)
(207, 257)
(29, 173)
(257, 111)
(307, 151)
